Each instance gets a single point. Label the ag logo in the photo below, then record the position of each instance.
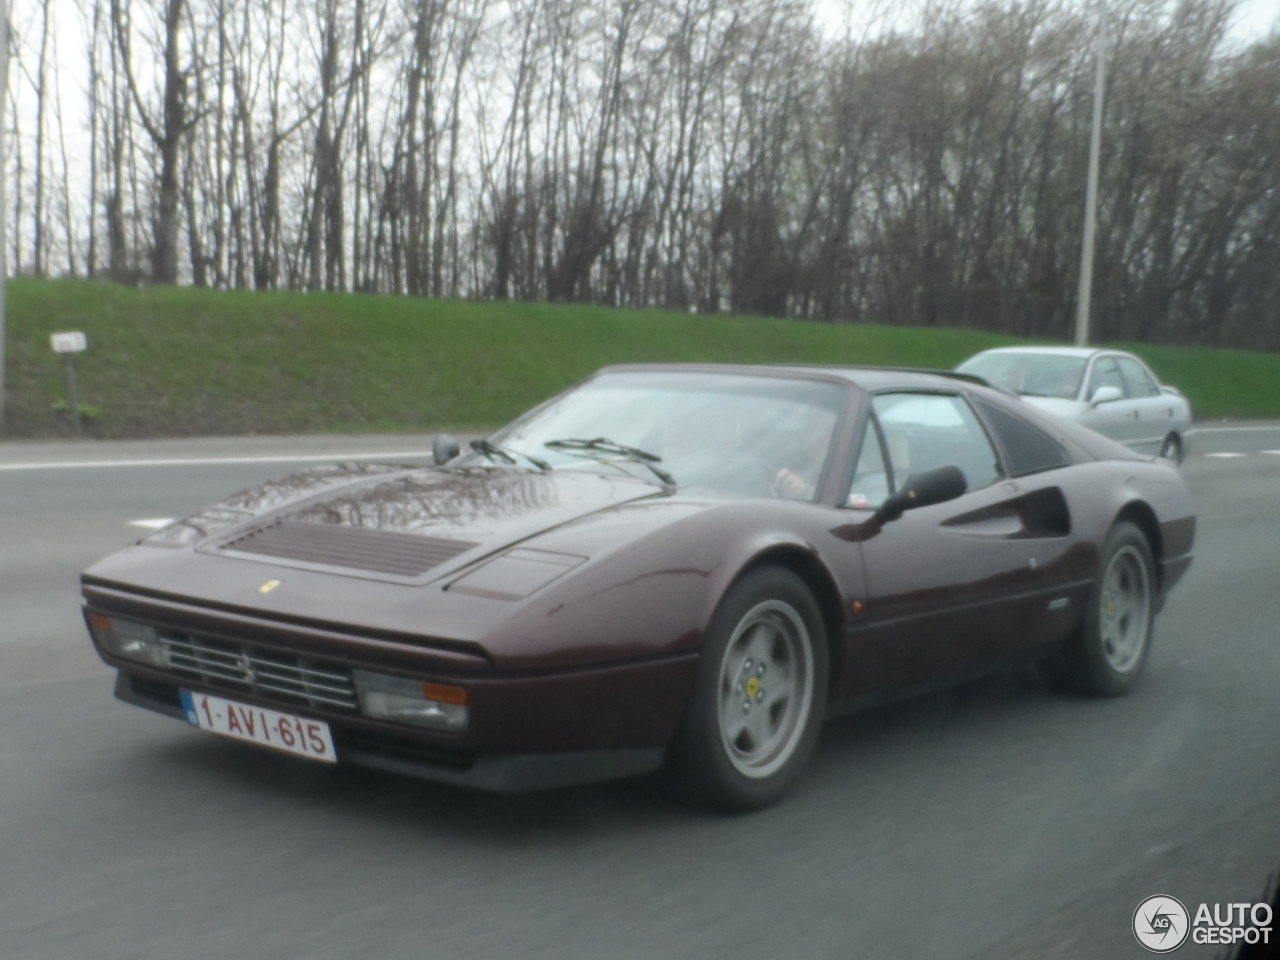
(1161, 924)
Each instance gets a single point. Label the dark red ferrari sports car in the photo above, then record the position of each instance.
(666, 564)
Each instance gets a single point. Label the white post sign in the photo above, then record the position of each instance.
(69, 344)
(72, 342)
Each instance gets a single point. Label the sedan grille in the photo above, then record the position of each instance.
(272, 676)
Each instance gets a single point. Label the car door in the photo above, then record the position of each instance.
(951, 587)
(1117, 419)
(1154, 408)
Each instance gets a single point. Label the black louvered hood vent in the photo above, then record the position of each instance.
(359, 548)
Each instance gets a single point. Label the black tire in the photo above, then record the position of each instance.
(1171, 449)
(767, 626)
(1105, 655)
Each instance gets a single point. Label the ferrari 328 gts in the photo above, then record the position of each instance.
(679, 565)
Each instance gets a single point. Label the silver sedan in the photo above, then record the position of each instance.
(1113, 392)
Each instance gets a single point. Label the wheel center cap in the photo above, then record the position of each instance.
(753, 687)
(1110, 609)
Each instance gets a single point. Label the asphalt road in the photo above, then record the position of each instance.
(994, 820)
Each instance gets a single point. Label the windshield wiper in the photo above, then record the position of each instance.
(495, 452)
(605, 445)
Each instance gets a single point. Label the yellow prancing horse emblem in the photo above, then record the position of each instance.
(753, 687)
(269, 586)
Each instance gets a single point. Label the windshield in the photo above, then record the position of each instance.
(1030, 374)
(751, 436)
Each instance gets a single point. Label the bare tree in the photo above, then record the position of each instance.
(38, 231)
(167, 133)
(699, 154)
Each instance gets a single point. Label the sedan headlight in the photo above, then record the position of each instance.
(125, 638)
(432, 705)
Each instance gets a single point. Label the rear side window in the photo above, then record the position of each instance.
(1028, 449)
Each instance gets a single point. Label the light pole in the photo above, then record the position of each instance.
(1085, 294)
(4, 171)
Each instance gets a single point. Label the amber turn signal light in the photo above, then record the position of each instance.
(442, 694)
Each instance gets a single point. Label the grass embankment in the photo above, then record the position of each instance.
(178, 361)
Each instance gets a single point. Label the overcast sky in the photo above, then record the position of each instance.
(1255, 19)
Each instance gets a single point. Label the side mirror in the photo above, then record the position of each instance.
(1105, 395)
(923, 490)
(444, 449)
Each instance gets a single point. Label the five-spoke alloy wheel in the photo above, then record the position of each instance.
(1124, 615)
(766, 688)
(1106, 654)
(758, 702)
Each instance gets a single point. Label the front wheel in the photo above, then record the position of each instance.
(758, 701)
(1106, 654)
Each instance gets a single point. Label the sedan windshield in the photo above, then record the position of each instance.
(745, 435)
(1030, 374)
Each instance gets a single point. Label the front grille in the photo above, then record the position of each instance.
(272, 676)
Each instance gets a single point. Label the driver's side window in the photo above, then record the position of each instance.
(1105, 374)
(919, 432)
(871, 481)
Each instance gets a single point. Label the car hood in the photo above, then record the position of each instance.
(447, 560)
(412, 524)
(477, 503)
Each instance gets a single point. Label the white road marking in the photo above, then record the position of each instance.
(1224, 455)
(1241, 429)
(1274, 453)
(197, 461)
(155, 524)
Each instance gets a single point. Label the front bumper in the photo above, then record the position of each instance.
(526, 731)
(509, 773)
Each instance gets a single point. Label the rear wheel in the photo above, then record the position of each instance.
(758, 701)
(1171, 449)
(1106, 654)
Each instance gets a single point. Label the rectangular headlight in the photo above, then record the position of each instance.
(432, 705)
(125, 638)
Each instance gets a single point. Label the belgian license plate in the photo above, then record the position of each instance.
(282, 731)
